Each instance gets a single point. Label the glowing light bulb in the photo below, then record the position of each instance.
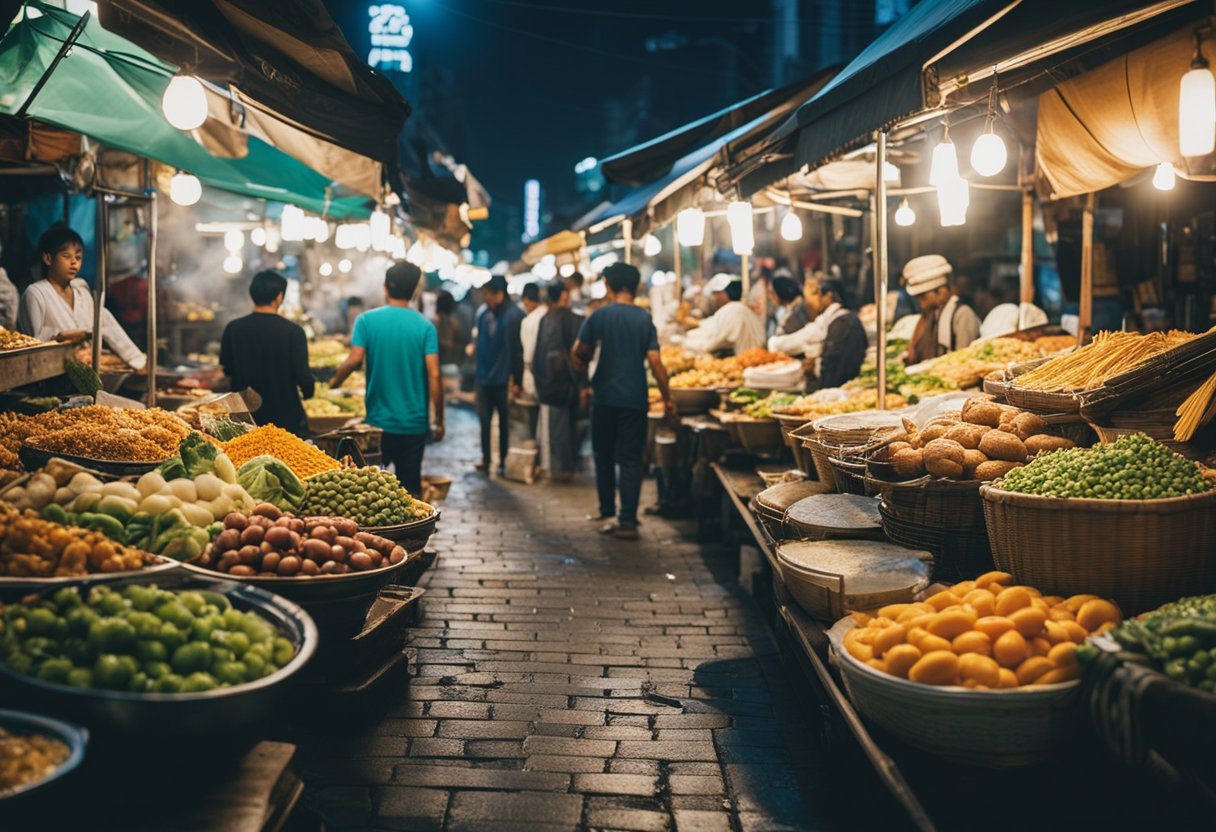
(345, 266)
(742, 234)
(988, 154)
(258, 236)
(234, 240)
(1197, 112)
(944, 167)
(381, 227)
(904, 215)
(791, 227)
(566, 270)
(326, 269)
(185, 189)
(953, 199)
(651, 246)
(690, 227)
(233, 264)
(184, 102)
(1163, 179)
(294, 225)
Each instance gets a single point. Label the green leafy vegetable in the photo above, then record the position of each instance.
(270, 480)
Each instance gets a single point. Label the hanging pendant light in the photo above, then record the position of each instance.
(904, 215)
(1197, 106)
(234, 240)
(690, 227)
(944, 167)
(652, 246)
(185, 189)
(1164, 177)
(988, 154)
(344, 266)
(742, 234)
(791, 227)
(257, 236)
(184, 102)
(233, 264)
(953, 199)
(294, 225)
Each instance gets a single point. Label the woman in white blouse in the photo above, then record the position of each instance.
(60, 306)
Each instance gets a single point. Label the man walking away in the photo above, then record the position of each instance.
(499, 366)
(269, 353)
(627, 341)
(401, 348)
(557, 385)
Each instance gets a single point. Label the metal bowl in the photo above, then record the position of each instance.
(413, 531)
(206, 712)
(10, 587)
(73, 736)
(691, 400)
(305, 588)
(34, 458)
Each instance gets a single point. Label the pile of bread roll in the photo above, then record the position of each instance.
(984, 442)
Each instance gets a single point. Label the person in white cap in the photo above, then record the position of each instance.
(946, 323)
(733, 327)
(833, 345)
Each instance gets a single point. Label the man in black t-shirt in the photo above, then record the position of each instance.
(269, 353)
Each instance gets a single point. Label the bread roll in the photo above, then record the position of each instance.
(1028, 424)
(967, 435)
(909, 463)
(997, 444)
(896, 447)
(944, 458)
(995, 469)
(1046, 442)
(980, 412)
(971, 461)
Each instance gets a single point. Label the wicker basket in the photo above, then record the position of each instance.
(1040, 402)
(760, 437)
(794, 430)
(951, 506)
(957, 556)
(990, 728)
(1141, 553)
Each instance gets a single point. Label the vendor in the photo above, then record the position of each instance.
(834, 343)
(60, 306)
(791, 311)
(946, 322)
(733, 327)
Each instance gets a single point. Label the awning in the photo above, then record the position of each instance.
(563, 242)
(1108, 125)
(110, 90)
(953, 46)
(288, 60)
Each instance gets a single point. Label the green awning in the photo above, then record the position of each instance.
(109, 89)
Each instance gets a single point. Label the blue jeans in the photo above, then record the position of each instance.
(618, 437)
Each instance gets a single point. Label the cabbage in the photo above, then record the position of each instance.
(270, 480)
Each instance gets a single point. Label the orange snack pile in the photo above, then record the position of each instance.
(982, 634)
(302, 458)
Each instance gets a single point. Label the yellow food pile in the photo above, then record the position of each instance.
(96, 431)
(707, 371)
(810, 407)
(302, 458)
(37, 548)
(10, 340)
(1108, 355)
(967, 367)
(982, 634)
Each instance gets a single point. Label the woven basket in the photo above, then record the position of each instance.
(1041, 402)
(795, 430)
(851, 477)
(950, 506)
(990, 728)
(760, 437)
(957, 556)
(1141, 553)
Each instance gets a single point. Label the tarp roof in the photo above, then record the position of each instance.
(288, 59)
(110, 90)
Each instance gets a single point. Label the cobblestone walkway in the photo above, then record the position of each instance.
(565, 681)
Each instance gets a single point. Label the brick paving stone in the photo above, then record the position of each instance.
(543, 655)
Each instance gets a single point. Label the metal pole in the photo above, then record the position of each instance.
(1027, 265)
(743, 267)
(678, 266)
(151, 349)
(627, 225)
(825, 258)
(880, 264)
(1087, 269)
(707, 251)
(64, 49)
(99, 282)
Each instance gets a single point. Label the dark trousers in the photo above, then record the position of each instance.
(618, 437)
(405, 452)
(563, 438)
(491, 398)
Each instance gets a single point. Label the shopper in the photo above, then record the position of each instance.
(557, 384)
(60, 306)
(529, 328)
(578, 299)
(452, 337)
(626, 339)
(733, 327)
(401, 349)
(267, 353)
(10, 299)
(499, 367)
(946, 322)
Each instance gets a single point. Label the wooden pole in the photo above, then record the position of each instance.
(99, 281)
(744, 262)
(1087, 269)
(677, 267)
(627, 230)
(1026, 276)
(880, 263)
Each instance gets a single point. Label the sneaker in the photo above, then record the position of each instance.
(481, 467)
(626, 531)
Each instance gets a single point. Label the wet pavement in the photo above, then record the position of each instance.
(564, 680)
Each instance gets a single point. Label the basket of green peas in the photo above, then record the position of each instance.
(1130, 520)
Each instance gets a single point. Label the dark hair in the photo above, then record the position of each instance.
(622, 277)
(445, 302)
(266, 286)
(531, 291)
(832, 286)
(555, 291)
(54, 240)
(496, 283)
(785, 288)
(734, 289)
(576, 278)
(401, 280)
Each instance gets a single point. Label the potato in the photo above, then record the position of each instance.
(939, 667)
(997, 444)
(994, 469)
(901, 658)
(1097, 612)
(1046, 442)
(1010, 649)
(980, 412)
(968, 436)
(909, 463)
(972, 460)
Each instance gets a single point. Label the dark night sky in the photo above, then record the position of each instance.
(532, 75)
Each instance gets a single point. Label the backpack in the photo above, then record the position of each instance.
(556, 382)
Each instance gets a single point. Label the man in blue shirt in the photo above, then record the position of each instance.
(499, 366)
(627, 341)
(401, 348)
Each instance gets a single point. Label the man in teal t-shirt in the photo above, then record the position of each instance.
(402, 352)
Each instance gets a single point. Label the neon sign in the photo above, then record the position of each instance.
(391, 32)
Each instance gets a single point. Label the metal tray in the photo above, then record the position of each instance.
(35, 458)
(10, 586)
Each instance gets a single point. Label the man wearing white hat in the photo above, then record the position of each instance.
(733, 327)
(946, 323)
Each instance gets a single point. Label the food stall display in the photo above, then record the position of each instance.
(1108, 355)
(325, 353)
(706, 371)
(11, 340)
(38, 548)
(26, 759)
(303, 459)
(1178, 639)
(93, 432)
(372, 497)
